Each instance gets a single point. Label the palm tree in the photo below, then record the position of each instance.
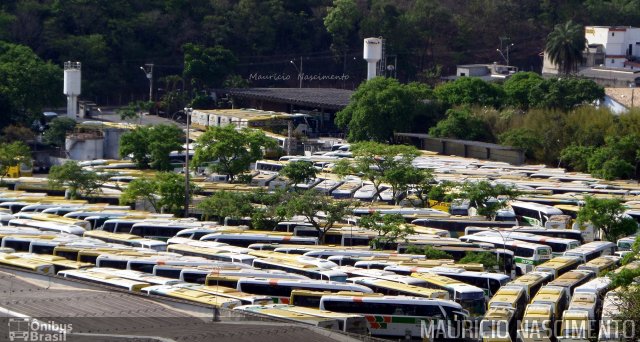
(565, 45)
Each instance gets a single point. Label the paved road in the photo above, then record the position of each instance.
(80, 312)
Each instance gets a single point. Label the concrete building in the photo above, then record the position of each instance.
(613, 46)
(611, 57)
(486, 72)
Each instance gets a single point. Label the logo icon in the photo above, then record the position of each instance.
(19, 329)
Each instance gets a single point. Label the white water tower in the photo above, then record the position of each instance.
(372, 54)
(72, 78)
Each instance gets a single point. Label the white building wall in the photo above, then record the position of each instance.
(616, 42)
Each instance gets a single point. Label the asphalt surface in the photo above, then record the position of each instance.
(45, 309)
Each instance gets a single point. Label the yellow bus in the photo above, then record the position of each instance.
(38, 266)
(274, 311)
(470, 297)
(126, 239)
(559, 265)
(392, 288)
(54, 218)
(601, 265)
(349, 323)
(92, 276)
(573, 279)
(576, 327)
(220, 254)
(537, 323)
(498, 325)
(555, 296)
(232, 293)
(191, 295)
(531, 283)
(59, 263)
(513, 297)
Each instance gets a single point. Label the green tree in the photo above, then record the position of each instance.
(523, 138)
(565, 45)
(13, 133)
(269, 207)
(376, 162)
(298, 172)
(470, 91)
(382, 106)
(518, 86)
(461, 124)
(12, 155)
(27, 84)
(608, 216)
(341, 22)
(134, 110)
(577, 157)
(484, 258)
(150, 146)
(435, 254)
(391, 229)
(488, 198)
(319, 210)
(78, 181)
(629, 309)
(58, 128)
(207, 67)
(165, 192)
(231, 151)
(565, 93)
(223, 204)
(617, 159)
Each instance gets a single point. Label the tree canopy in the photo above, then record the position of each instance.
(488, 198)
(150, 146)
(565, 45)
(382, 106)
(320, 211)
(608, 216)
(165, 192)
(300, 171)
(78, 181)
(12, 155)
(230, 151)
(378, 163)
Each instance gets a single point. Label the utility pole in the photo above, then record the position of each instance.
(148, 71)
(187, 112)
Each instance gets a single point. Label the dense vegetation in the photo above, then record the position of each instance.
(114, 38)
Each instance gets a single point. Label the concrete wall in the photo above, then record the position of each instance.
(80, 147)
(469, 149)
(112, 143)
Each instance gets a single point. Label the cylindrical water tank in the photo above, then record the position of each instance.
(72, 77)
(372, 49)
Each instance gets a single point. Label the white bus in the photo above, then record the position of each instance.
(306, 270)
(48, 226)
(610, 327)
(534, 213)
(470, 297)
(592, 250)
(526, 255)
(487, 281)
(401, 316)
(558, 245)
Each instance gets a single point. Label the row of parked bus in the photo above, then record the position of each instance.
(561, 299)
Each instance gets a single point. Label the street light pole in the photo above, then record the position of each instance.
(299, 71)
(148, 71)
(187, 112)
